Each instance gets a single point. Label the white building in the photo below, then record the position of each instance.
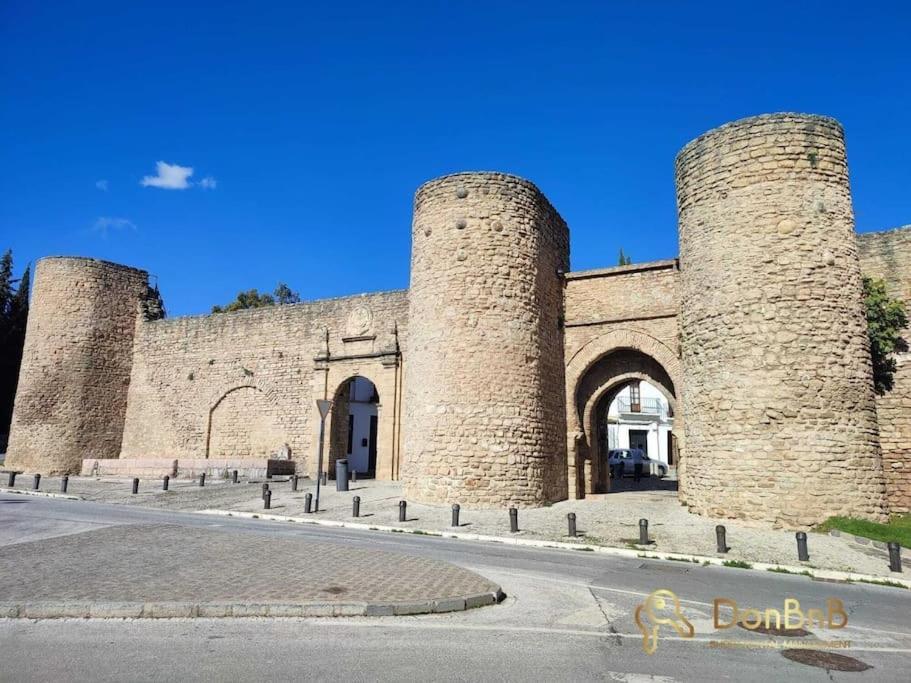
(641, 417)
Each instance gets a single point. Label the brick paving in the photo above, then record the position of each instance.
(156, 566)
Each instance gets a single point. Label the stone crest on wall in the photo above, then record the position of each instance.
(359, 321)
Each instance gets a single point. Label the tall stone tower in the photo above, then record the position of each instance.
(485, 419)
(780, 417)
(75, 373)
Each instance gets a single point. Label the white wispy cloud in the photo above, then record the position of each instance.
(102, 185)
(169, 177)
(105, 224)
(208, 183)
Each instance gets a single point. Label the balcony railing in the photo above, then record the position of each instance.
(645, 406)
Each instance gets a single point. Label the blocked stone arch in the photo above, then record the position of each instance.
(644, 357)
(244, 421)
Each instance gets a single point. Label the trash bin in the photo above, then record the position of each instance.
(341, 475)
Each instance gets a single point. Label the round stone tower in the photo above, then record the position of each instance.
(484, 410)
(75, 373)
(779, 410)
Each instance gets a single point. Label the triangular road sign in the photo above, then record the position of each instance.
(323, 406)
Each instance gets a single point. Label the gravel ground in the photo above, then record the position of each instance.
(608, 519)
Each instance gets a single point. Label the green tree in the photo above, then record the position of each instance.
(624, 260)
(248, 299)
(284, 295)
(886, 318)
(13, 318)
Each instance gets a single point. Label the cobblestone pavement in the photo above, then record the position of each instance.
(608, 519)
(167, 567)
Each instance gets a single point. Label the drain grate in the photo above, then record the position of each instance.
(829, 661)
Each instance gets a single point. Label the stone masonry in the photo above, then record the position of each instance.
(781, 420)
(493, 370)
(887, 255)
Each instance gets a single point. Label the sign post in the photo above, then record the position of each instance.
(324, 407)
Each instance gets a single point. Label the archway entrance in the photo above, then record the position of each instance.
(625, 399)
(355, 425)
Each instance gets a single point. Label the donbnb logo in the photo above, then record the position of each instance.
(661, 608)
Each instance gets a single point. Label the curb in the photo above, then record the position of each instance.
(823, 574)
(75, 609)
(41, 494)
(867, 543)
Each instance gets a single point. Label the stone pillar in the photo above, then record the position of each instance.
(72, 394)
(484, 419)
(780, 416)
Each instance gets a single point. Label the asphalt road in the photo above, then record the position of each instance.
(569, 615)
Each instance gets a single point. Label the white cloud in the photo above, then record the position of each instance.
(104, 225)
(208, 183)
(102, 185)
(170, 177)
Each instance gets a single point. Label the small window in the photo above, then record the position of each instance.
(635, 405)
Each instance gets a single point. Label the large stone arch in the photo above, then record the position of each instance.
(603, 366)
(243, 422)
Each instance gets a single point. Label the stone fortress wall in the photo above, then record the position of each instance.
(484, 411)
(492, 368)
(75, 372)
(887, 255)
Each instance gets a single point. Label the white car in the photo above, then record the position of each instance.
(628, 457)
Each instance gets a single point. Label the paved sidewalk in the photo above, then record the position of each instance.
(608, 519)
(174, 571)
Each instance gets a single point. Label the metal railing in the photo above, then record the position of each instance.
(645, 406)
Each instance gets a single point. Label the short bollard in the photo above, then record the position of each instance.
(308, 503)
(267, 501)
(135, 486)
(202, 479)
(455, 514)
(165, 482)
(571, 522)
(513, 520)
(265, 488)
(722, 542)
(294, 482)
(325, 478)
(895, 557)
(64, 483)
(353, 475)
(356, 506)
(643, 532)
(11, 482)
(36, 482)
(402, 508)
(234, 477)
(802, 553)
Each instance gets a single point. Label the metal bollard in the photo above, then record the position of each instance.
(267, 501)
(202, 479)
(308, 503)
(513, 520)
(12, 480)
(135, 485)
(36, 482)
(455, 514)
(643, 532)
(294, 482)
(64, 483)
(571, 521)
(325, 477)
(353, 475)
(895, 557)
(234, 477)
(720, 539)
(402, 510)
(356, 506)
(265, 488)
(165, 482)
(802, 553)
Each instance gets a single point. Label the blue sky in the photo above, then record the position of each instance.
(309, 127)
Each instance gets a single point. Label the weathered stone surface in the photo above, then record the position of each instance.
(779, 408)
(484, 401)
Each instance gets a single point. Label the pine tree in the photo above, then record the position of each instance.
(6, 285)
(624, 260)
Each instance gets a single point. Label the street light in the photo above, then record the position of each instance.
(324, 407)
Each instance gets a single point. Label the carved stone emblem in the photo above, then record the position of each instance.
(359, 321)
